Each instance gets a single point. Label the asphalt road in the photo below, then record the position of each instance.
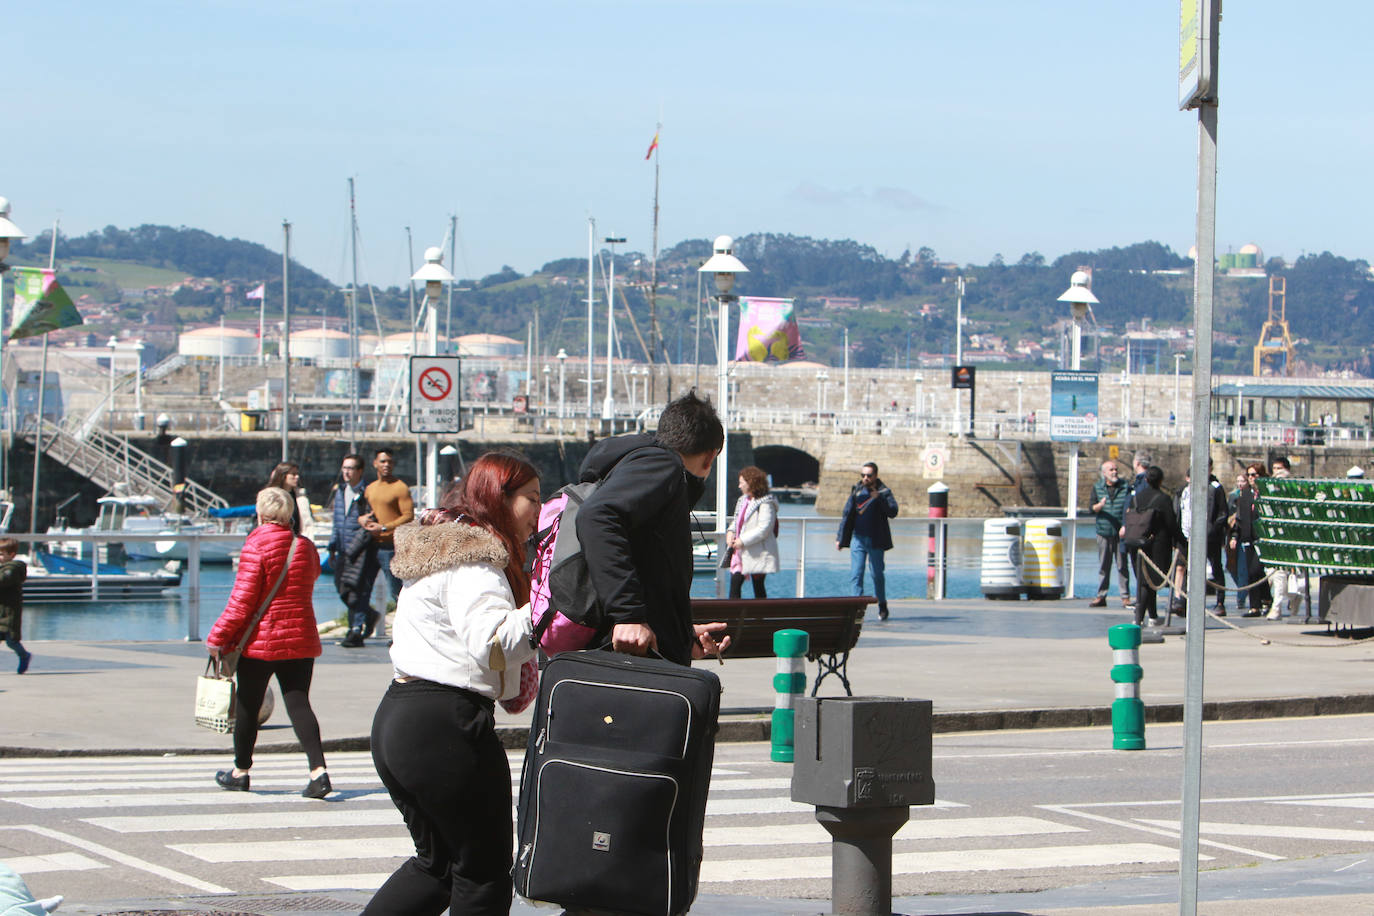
(1287, 803)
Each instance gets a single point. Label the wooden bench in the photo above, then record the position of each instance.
(833, 625)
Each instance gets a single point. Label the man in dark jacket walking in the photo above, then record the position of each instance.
(864, 529)
(1155, 557)
(353, 553)
(1109, 505)
(636, 534)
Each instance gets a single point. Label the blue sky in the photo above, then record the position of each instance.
(974, 128)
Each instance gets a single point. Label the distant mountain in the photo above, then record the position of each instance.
(905, 304)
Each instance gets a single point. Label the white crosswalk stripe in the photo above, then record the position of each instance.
(353, 840)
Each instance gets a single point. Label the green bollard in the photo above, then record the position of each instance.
(790, 646)
(1128, 712)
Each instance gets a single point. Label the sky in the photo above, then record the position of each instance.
(975, 128)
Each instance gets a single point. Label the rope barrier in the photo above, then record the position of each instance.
(1263, 640)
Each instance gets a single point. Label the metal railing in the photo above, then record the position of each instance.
(109, 460)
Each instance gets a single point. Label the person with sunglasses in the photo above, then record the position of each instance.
(1248, 566)
(864, 529)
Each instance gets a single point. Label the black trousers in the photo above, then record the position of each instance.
(436, 750)
(737, 584)
(293, 680)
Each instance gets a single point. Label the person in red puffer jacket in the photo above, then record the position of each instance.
(285, 643)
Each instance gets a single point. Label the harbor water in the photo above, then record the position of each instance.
(827, 573)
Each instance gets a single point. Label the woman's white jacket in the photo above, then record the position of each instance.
(756, 543)
(456, 620)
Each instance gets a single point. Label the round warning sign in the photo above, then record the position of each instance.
(933, 460)
(435, 383)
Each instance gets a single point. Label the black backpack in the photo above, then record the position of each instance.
(1138, 528)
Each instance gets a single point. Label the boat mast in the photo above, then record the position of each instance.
(653, 286)
(285, 340)
(42, 386)
(353, 326)
(591, 300)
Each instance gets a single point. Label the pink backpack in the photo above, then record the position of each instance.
(563, 604)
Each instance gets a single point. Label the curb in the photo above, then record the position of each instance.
(758, 726)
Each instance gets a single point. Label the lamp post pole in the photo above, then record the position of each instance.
(544, 406)
(1020, 423)
(1079, 297)
(138, 385)
(562, 365)
(109, 403)
(434, 276)
(724, 265)
(1178, 358)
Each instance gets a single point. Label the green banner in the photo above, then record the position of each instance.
(40, 303)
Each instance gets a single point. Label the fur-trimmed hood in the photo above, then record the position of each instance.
(422, 550)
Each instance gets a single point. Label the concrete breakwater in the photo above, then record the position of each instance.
(985, 477)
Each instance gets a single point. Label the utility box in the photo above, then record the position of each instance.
(863, 752)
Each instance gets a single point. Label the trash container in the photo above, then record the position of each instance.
(248, 422)
(1001, 565)
(1042, 564)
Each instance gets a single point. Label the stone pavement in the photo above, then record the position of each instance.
(984, 664)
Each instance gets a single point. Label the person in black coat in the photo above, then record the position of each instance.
(1249, 569)
(1217, 513)
(636, 535)
(1164, 535)
(864, 529)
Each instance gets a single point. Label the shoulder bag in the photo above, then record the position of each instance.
(215, 687)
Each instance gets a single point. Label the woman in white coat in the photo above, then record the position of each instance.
(753, 537)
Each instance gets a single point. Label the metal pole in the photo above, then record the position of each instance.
(1071, 510)
(286, 340)
(415, 343)
(723, 393)
(959, 343)
(608, 404)
(353, 327)
(846, 370)
(696, 354)
(591, 300)
(1203, 278)
(38, 438)
(432, 459)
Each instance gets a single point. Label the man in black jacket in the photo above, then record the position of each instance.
(1164, 535)
(864, 529)
(635, 531)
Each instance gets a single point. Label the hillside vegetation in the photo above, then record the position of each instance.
(906, 303)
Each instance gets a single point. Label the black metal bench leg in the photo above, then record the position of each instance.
(836, 663)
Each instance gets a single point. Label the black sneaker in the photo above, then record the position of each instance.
(318, 787)
(354, 640)
(228, 781)
(882, 611)
(371, 626)
(24, 661)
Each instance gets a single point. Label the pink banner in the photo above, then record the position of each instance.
(767, 331)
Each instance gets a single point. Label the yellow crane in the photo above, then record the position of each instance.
(1275, 348)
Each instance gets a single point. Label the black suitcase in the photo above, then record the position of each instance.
(613, 791)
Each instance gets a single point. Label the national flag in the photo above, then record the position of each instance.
(767, 331)
(257, 292)
(40, 303)
(652, 146)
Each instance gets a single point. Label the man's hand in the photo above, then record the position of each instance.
(837, 546)
(633, 639)
(1097, 506)
(706, 645)
(370, 523)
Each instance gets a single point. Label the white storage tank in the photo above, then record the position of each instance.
(212, 340)
(320, 343)
(489, 345)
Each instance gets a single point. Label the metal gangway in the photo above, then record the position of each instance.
(108, 460)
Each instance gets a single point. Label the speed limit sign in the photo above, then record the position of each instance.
(933, 461)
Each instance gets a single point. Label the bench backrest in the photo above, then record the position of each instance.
(833, 623)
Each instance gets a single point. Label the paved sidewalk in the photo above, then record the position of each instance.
(984, 664)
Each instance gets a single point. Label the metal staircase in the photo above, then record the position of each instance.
(110, 461)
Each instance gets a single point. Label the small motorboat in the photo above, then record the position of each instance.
(144, 515)
(57, 578)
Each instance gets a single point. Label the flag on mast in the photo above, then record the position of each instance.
(258, 292)
(40, 303)
(652, 146)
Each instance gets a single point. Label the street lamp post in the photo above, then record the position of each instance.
(434, 275)
(723, 265)
(1125, 382)
(1079, 297)
(821, 376)
(544, 405)
(1178, 358)
(110, 401)
(562, 366)
(920, 379)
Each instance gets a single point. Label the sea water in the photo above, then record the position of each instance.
(827, 573)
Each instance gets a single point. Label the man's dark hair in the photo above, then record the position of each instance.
(1154, 475)
(870, 464)
(356, 459)
(689, 426)
(383, 451)
(1281, 463)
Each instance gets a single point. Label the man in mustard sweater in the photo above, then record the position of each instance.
(392, 507)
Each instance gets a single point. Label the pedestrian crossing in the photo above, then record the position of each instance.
(69, 816)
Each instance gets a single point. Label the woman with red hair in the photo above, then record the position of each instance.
(462, 632)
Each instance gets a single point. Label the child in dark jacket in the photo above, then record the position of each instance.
(13, 572)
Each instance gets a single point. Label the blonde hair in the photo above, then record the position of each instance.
(274, 505)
